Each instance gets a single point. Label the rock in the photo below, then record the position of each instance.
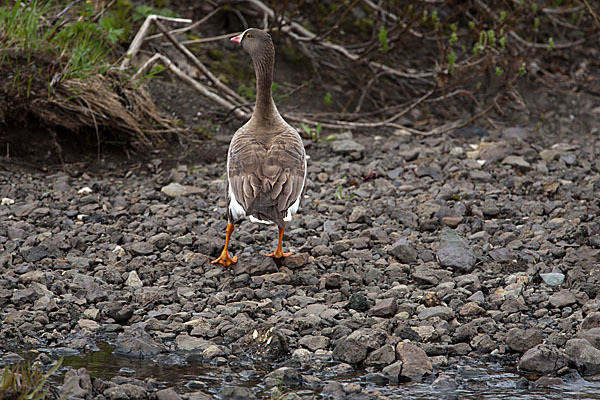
(455, 252)
(403, 251)
(349, 351)
(77, 384)
(333, 390)
(549, 155)
(543, 359)
(167, 394)
(495, 152)
(314, 343)
(333, 281)
(133, 280)
(415, 363)
(231, 392)
(517, 162)
(141, 248)
(393, 371)
(125, 391)
(136, 342)
(175, 189)
(295, 261)
(586, 356)
(381, 357)
(346, 146)
(442, 312)
(88, 324)
(489, 208)
(358, 215)
(191, 344)
(471, 309)
(521, 340)
(211, 352)
(265, 342)
(289, 377)
(358, 302)
(553, 279)
(384, 308)
(429, 169)
(592, 320)
(160, 240)
(452, 222)
(444, 383)
(592, 336)
(562, 299)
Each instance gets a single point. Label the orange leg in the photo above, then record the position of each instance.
(224, 259)
(278, 253)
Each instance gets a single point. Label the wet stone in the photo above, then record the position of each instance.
(543, 359)
(415, 363)
(585, 355)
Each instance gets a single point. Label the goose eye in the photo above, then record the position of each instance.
(248, 35)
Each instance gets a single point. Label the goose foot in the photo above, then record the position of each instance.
(225, 260)
(279, 254)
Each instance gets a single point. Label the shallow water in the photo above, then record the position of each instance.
(479, 382)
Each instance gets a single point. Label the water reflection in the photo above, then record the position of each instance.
(472, 382)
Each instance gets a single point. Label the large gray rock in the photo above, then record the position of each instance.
(522, 340)
(455, 252)
(349, 351)
(543, 359)
(136, 342)
(415, 363)
(592, 320)
(585, 355)
(592, 336)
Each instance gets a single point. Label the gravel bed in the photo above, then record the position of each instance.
(413, 258)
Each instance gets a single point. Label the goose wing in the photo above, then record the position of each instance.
(266, 172)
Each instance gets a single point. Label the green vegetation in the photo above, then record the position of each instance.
(27, 381)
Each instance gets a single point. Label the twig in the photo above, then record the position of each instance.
(300, 33)
(137, 41)
(187, 28)
(594, 15)
(190, 56)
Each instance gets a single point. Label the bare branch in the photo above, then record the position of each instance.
(137, 41)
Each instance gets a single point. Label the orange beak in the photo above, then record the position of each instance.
(237, 39)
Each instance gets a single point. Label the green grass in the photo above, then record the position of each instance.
(24, 381)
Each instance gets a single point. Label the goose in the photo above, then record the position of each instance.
(266, 162)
